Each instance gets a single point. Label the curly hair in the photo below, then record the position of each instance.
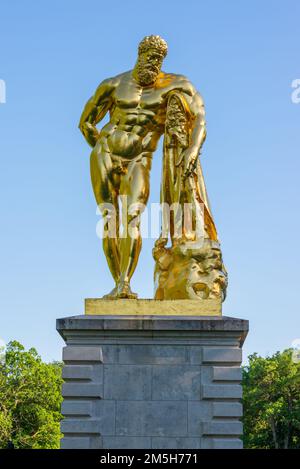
(153, 42)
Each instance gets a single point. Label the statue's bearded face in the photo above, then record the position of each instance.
(148, 66)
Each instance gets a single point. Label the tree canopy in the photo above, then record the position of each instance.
(30, 399)
(271, 397)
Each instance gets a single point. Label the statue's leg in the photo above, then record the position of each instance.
(106, 194)
(135, 186)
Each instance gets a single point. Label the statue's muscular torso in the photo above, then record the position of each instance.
(137, 114)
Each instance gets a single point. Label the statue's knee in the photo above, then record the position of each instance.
(107, 209)
(134, 218)
(134, 213)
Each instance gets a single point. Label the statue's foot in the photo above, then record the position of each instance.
(113, 295)
(160, 242)
(124, 291)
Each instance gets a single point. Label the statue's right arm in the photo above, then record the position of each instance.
(95, 109)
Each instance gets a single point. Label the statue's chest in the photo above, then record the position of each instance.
(132, 96)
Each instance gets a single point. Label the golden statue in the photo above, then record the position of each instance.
(143, 104)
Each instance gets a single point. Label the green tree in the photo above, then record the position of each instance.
(271, 398)
(30, 398)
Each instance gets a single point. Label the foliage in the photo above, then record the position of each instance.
(30, 398)
(271, 398)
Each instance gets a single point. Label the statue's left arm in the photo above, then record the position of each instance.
(198, 129)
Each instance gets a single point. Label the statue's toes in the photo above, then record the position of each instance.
(125, 292)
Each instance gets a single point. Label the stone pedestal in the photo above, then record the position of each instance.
(152, 381)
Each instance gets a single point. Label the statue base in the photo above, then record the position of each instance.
(208, 307)
(152, 381)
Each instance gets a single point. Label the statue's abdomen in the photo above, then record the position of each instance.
(123, 143)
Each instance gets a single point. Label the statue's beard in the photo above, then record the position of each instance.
(147, 74)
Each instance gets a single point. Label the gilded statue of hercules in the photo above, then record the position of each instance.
(122, 150)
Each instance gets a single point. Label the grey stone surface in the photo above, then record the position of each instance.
(127, 382)
(198, 412)
(152, 382)
(222, 428)
(82, 354)
(80, 426)
(225, 373)
(75, 443)
(151, 418)
(71, 408)
(221, 355)
(178, 443)
(105, 412)
(77, 372)
(222, 391)
(73, 329)
(221, 443)
(127, 442)
(195, 354)
(82, 390)
(81, 442)
(131, 354)
(83, 373)
(178, 382)
(227, 409)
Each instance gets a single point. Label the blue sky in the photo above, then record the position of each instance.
(242, 57)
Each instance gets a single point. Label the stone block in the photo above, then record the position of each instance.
(222, 428)
(146, 354)
(82, 390)
(176, 382)
(126, 442)
(221, 355)
(75, 442)
(227, 409)
(151, 418)
(195, 354)
(222, 391)
(198, 412)
(69, 425)
(81, 442)
(71, 372)
(131, 382)
(178, 443)
(104, 411)
(225, 373)
(76, 408)
(221, 443)
(73, 353)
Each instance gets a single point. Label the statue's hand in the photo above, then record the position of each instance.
(190, 157)
(90, 133)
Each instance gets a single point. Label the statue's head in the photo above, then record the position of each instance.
(151, 53)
